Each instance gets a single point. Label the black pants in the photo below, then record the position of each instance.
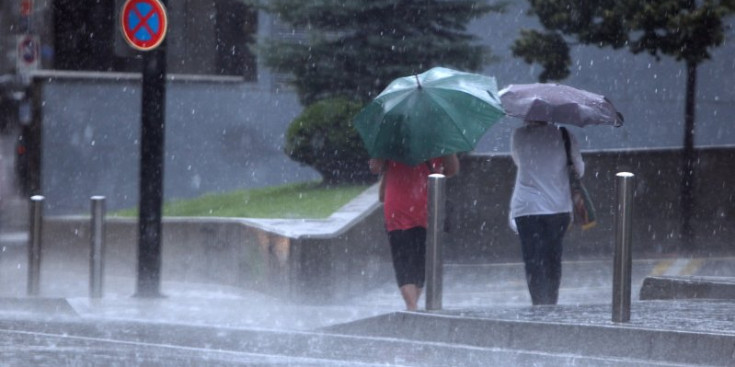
(408, 250)
(541, 243)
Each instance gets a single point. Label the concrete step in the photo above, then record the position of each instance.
(583, 341)
(163, 344)
(687, 287)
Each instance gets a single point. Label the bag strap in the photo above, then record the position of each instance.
(568, 148)
(567, 145)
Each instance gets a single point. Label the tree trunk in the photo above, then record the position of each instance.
(688, 161)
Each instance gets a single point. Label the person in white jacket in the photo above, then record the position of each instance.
(541, 204)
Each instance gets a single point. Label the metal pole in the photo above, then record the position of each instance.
(434, 246)
(151, 172)
(623, 258)
(97, 251)
(34, 245)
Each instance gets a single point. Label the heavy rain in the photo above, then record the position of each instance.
(261, 95)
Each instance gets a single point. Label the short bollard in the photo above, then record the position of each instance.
(623, 258)
(34, 245)
(435, 243)
(97, 250)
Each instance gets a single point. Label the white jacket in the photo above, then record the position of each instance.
(542, 180)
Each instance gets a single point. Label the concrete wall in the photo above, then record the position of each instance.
(480, 195)
(330, 259)
(221, 135)
(317, 261)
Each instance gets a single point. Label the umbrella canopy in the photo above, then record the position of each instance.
(559, 103)
(432, 114)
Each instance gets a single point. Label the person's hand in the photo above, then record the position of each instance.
(451, 165)
(376, 165)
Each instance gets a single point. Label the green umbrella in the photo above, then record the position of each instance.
(438, 112)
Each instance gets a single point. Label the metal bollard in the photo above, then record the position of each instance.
(435, 243)
(623, 258)
(97, 251)
(34, 245)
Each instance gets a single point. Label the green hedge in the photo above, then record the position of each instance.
(324, 138)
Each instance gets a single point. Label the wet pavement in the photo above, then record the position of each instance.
(465, 287)
(703, 316)
(485, 320)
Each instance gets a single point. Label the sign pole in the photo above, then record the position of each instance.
(151, 173)
(144, 25)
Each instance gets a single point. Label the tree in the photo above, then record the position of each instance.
(683, 29)
(354, 48)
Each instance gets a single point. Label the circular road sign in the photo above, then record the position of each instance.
(144, 23)
(28, 50)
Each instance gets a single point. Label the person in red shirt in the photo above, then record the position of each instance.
(406, 217)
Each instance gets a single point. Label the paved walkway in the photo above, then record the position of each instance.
(498, 289)
(199, 324)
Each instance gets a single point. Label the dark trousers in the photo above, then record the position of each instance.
(408, 250)
(541, 243)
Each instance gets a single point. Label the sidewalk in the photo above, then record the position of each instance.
(486, 320)
(478, 337)
(466, 287)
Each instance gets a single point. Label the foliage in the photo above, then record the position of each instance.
(324, 137)
(548, 49)
(354, 48)
(301, 200)
(683, 29)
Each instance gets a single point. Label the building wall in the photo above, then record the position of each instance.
(478, 201)
(221, 135)
(648, 92)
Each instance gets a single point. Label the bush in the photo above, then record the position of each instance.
(324, 138)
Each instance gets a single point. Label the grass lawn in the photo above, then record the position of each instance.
(301, 200)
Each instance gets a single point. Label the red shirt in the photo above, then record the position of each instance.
(405, 204)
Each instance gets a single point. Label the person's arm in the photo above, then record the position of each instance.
(577, 160)
(514, 148)
(451, 165)
(377, 166)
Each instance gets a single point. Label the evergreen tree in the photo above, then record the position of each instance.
(683, 29)
(354, 48)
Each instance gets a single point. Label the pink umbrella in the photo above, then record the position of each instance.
(558, 103)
